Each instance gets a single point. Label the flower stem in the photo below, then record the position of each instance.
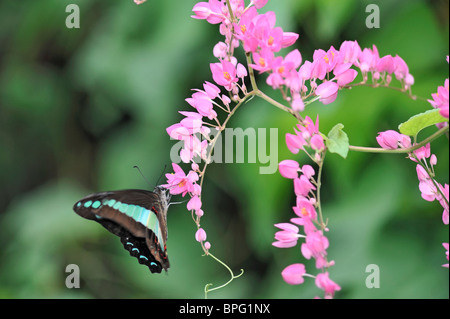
(251, 72)
(377, 85)
(274, 103)
(430, 138)
(319, 184)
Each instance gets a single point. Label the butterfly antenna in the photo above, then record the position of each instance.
(165, 166)
(145, 179)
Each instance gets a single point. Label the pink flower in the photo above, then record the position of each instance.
(273, 39)
(211, 90)
(263, 60)
(331, 57)
(258, 3)
(422, 153)
(388, 139)
(241, 71)
(282, 69)
(302, 186)
(178, 131)
(344, 74)
(446, 253)
(289, 39)
(441, 99)
(306, 222)
(308, 134)
(386, 64)
(295, 142)
(315, 246)
(220, 50)
(297, 103)
(401, 68)
(444, 203)
(305, 70)
(288, 237)
(244, 30)
(317, 143)
(289, 169)
(193, 147)
(318, 69)
(426, 185)
(327, 91)
(308, 128)
(224, 74)
(349, 52)
(368, 59)
(211, 11)
(203, 104)
(180, 183)
(308, 171)
(293, 274)
(304, 209)
(325, 283)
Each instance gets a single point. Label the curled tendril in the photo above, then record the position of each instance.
(207, 289)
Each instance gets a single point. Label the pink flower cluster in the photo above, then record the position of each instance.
(440, 98)
(430, 189)
(333, 68)
(307, 135)
(180, 183)
(315, 242)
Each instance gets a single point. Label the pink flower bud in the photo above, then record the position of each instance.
(241, 71)
(212, 90)
(297, 104)
(346, 77)
(293, 274)
(327, 91)
(308, 171)
(386, 64)
(289, 169)
(289, 39)
(317, 143)
(200, 235)
(433, 160)
(259, 3)
(349, 52)
(199, 212)
(195, 167)
(388, 139)
(194, 203)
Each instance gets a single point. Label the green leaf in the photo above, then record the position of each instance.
(418, 122)
(337, 141)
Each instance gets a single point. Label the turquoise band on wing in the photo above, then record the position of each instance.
(140, 214)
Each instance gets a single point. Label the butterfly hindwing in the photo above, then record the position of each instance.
(138, 248)
(138, 217)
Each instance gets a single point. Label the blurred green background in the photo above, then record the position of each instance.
(80, 107)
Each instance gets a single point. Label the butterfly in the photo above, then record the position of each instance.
(138, 217)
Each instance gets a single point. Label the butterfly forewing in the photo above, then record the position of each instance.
(138, 217)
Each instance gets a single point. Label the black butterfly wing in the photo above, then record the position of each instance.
(138, 217)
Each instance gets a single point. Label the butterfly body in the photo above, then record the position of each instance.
(138, 217)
